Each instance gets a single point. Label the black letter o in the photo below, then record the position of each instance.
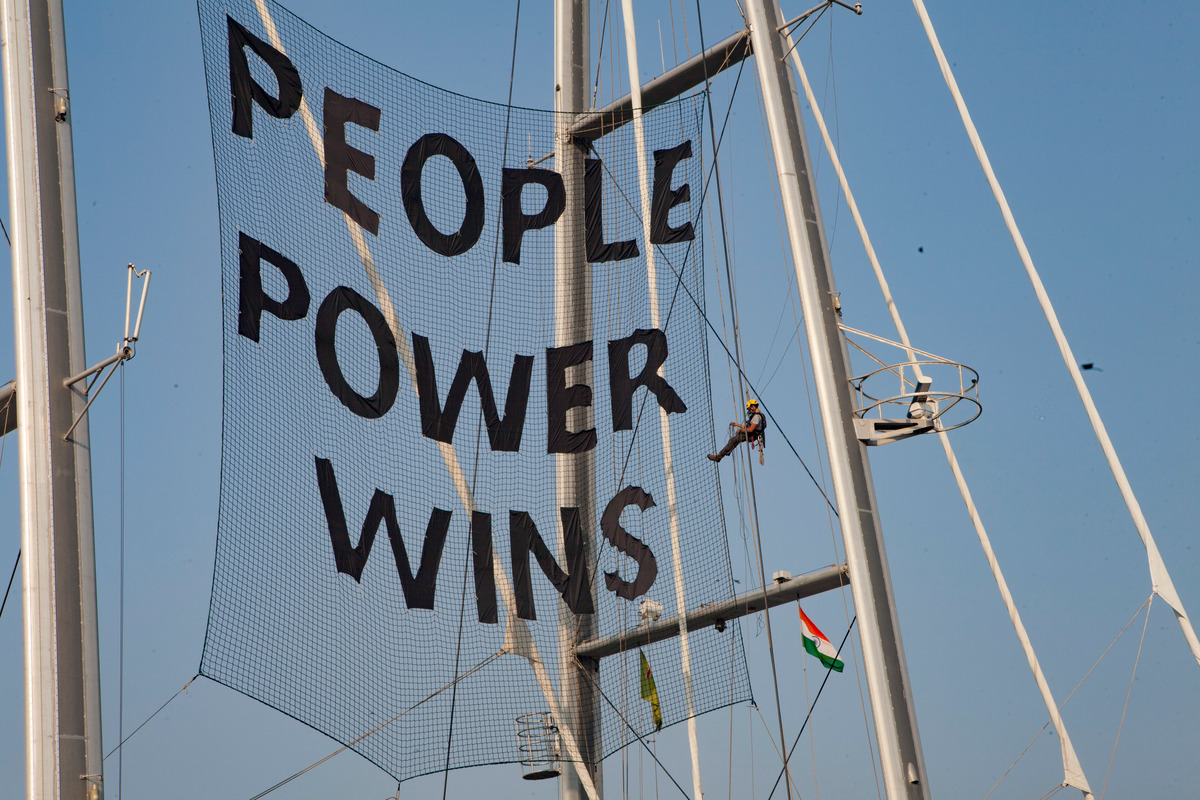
(376, 405)
(439, 144)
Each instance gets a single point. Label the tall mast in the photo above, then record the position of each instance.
(62, 675)
(575, 472)
(883, 654)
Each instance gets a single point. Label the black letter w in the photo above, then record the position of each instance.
(418, 591)
(438, 424)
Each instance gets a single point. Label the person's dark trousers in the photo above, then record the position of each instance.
(733, 442)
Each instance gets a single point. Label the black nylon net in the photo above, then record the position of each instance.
(405, 636)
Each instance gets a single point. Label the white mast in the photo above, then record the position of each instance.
(62, 680)
(902, 762)
(575, 472)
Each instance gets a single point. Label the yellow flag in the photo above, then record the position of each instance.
(650, 692)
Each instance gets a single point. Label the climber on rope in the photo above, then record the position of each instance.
(752, 431)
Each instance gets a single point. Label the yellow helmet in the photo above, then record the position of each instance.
(752, 403)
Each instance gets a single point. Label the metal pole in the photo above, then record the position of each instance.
(575, 473)
(62, 680)
(895, 722)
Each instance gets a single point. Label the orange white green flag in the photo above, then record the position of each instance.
(817, 644)
(650, 692)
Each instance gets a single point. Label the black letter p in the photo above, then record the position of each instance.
(245, 91)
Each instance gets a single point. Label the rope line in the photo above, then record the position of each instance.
(796, 319)
(374, 730)
(1052, 792)
(775, 747)
(699, 307)
(599, 55)
(182, 689)
(1137, 659)
(808, 716)
(479, 422)
(1110, 647)
(686, 256)
(761, 403)
(10, 582)
(1062, 705)
(752, 497)
(627, 725)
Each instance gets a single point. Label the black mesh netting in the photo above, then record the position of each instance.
(328, 619)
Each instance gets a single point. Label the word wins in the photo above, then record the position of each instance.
(572, 583)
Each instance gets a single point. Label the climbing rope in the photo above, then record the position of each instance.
(752, 496)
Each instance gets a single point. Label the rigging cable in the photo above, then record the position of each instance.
(599, 56)
(632, 730)
(762, 403)
(182, 689)
(808, 716)
(479, 423)
(1063, 704)
(737, 346)
(854, 650)
(777, 747)
(10, 582)
(1128, 693)
(664, 422)
(121, 595)
(733, 359)
(377, 728)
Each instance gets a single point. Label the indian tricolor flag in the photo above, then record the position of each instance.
(817, 644)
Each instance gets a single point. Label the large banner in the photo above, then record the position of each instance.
(403, 558)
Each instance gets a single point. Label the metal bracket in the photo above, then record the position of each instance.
(125, 350)
(884, 431)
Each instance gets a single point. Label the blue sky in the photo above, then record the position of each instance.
(1088, 112)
